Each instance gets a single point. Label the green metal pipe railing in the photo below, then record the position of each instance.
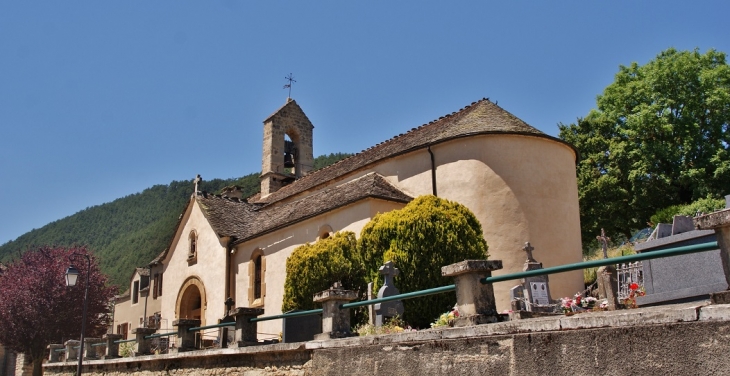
(125, 340)
(704, 247)
(408, 295)
(59, 350)
(285, 315)
(199, 328)
(158, 335)
(98, 344)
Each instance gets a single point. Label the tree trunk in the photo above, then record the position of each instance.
(37, 366)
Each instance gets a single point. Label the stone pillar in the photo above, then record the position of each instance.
(246, 330)
(186, 338)
(335, 321)
(608, 285)
(112, 349)
(142, 346)
(475, 299)
(54, 356)
(89, 350)
(720, 222)
(72, 350)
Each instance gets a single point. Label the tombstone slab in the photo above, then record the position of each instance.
(720, 222)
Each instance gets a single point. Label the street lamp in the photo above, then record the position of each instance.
(72, 276)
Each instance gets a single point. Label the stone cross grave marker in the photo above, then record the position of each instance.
(387, 310)
(604, 243)
(536, 289)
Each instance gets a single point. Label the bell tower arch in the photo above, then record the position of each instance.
(287, 152)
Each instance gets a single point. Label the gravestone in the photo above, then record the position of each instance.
(684, 277)
(301, 328)
(388, 310)
(516, 298)
(536, 289)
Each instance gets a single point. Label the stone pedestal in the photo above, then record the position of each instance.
(53, 355)
(335, 321)
(720, 222)
(112, 349)
(186, 338)
(608, 285)
(246, 330)
(89, 350)
(72, 349)
(142, 345)
(475, 299)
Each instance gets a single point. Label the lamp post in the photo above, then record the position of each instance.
(72, 276)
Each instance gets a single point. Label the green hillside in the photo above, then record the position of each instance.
(132, 230)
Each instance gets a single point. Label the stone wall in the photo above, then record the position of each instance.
(685, 339)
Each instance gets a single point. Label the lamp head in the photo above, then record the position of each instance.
(72, 275)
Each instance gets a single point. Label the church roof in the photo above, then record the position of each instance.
(243, 221)
(482, 117)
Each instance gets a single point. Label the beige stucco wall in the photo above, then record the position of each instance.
(209, 267)
(279, 245)
(521, 188)
(127, 312)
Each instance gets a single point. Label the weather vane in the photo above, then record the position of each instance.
(291, 79)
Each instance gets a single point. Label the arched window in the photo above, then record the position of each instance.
(257, 281)
(192, 247)
(325, 231)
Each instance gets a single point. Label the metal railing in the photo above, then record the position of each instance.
(710, 246)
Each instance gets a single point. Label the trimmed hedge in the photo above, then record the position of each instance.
(312, 268)
(425, 235)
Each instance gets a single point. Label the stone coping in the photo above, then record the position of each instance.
(668, 314)
(713, 220)
(670, 240)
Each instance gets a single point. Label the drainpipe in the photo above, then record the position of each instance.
(229, 256)
(433, 171)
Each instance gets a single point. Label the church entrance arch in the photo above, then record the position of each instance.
(191, 302)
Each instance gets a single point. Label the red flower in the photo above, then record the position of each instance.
(634, 286)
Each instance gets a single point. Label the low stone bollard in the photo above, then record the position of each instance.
(90, 352)
(185, 337)
(335, 321)
(142, 345)
(72, 349)
(246, 330)
(54, 356)
(475, 299)
(112, 349)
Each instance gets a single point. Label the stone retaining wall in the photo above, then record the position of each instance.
(684, 339)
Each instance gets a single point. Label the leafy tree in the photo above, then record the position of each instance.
(425, 235)
(659, 137)
(37, 309)
(312, 268)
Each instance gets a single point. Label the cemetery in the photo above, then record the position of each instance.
(530, 339)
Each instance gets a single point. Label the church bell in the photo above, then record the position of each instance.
(288, 154)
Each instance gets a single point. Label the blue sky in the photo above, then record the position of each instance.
(102, 99)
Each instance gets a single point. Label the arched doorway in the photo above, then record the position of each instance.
(191, 302)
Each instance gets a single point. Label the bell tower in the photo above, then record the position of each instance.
(287, 152)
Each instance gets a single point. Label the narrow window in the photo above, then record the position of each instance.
(257, 278)
(159, 286)
(193, 245)
(135, 293)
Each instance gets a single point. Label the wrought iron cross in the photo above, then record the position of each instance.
(604, 243)
(528, 248)
(291, 79)
(388, 270)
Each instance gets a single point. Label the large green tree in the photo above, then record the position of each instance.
(659, 137)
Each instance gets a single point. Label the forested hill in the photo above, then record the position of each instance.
(130, 231)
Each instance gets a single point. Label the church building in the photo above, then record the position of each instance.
(519, 182)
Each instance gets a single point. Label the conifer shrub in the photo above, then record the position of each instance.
(312, 268)
(420, 238)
